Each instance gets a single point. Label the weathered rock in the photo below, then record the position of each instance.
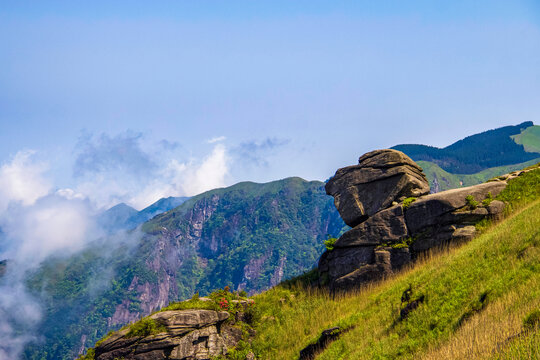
(386, 261)
(190, 334)
(342, 261)
(380, 178)
(386, 226)
(386, 237)
(442, 208)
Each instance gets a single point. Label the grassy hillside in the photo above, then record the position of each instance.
(482, 151)
(479, 301)
(529, 138)
(248, 236)
(441, 180)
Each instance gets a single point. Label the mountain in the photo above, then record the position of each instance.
(475, 301)
(124, 217)
(248, 236)
(160, 206)
(476, 152)
(119, 217)
(478, 157)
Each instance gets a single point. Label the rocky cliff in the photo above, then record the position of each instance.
(180, 334)
(248, 236)
(385, 198)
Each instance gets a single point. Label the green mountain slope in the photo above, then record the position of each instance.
(529, 138)
(477, 301)
(478, 152)
(124, 217)
(248, 236)
(441, 180)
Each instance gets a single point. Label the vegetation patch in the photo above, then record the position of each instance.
(145, 327)
(489, 198)
(532, 320)
(470, 202)
(402, 243)
(521, 190)
(453, 288)
(407, 202)
(329, 243)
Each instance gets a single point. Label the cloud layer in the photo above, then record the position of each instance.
(39, 220)
(109, 170)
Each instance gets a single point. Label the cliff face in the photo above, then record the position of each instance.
(181, 334)
(385, 198)
(248, 236)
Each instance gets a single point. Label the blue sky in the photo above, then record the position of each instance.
(111, 101)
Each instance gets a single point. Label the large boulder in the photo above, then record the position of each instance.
(451, 206)
(188, 334)
(386, 226)
(387, 233)
(381, 178)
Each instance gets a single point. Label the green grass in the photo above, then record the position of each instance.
(522, 190)
(145, 327)
(529, 138)
(448, 180)
(408, 201)
(476, 297)
(480, 300)
(504, 258)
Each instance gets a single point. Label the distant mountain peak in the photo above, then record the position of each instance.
(477, 152)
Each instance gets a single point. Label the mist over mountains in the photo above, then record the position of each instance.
(73, 272)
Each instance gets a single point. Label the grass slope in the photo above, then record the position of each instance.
(481, 300)
(529, 138)
(476, 298)
(445, 180)
(251, 234)
(477, 152)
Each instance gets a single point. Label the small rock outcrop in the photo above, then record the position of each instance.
(380, 178)
(388, 233)
(186, 334)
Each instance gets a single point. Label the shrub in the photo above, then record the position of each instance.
(532, 321)
(488, 199)
(471, 203)
(408, 201)
(145, 327)
(90, 355)
(329, 243)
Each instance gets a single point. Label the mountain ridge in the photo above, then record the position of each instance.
(476, 152)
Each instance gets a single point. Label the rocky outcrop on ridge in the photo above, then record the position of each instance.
(380, 178)
(385, 200)
(185, 334)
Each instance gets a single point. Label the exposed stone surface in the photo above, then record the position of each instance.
(380, 178)
(385, 226)
(386, 237)
(190, 334)
(443, 208)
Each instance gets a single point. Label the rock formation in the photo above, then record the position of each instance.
(385, 200)
(380, 178)
(186, 334)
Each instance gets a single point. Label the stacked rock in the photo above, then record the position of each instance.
(388, 233)
(187, 334)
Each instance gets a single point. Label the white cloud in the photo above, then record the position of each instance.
(210, 174)
(22, 180)
(185, 179)
(216, 139)
(107, 175)
(70, 194)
